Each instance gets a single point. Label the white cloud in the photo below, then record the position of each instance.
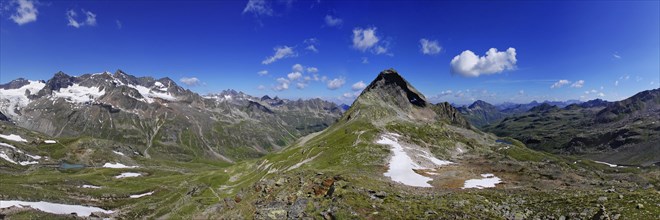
(365, 60)
(283, 84)
(616, 83)
(301, 85)
(429, 47)
(336, 83)
(601, 94)
(25, 12)
(312, 48)
(333, 21)
(261, 87)
(119, 25)
(312, 70)
(258, 8)
(359, 86)
(190, 81)
(280, 53)
(297, 68)
(364, 39)
(294, 75)
(263, 72)
(521, 92)
(578, 84)
(593, 91)
(560, 83)
(311, 44)
(616, 56)
(469, 64)
(380, 50)
(90, 19)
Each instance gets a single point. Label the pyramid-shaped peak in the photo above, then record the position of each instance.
(390, 82)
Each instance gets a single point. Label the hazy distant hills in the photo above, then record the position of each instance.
(481, 113)
(626, 131)
(160, 118)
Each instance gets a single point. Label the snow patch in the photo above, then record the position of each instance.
(50, 141)
(79, 94)
(8, 145)
(148, 95)
(128, 174)
(90, 186)
(608, 164)
(141, 195)
(118, 153)
(489, 180)
(4, 156)
(55, 208)
(401, 165)
(117, 166)
(13, 137)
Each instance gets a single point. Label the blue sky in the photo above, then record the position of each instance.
(542, 50)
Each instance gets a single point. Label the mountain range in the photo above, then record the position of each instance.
(160, 118)
(160, 151)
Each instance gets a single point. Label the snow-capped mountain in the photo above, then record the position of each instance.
(146, 112)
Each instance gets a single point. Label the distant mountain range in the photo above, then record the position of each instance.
(626, 131)
(481, 113)
(156, 117)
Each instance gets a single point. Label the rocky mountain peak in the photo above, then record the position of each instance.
(390, 83)
(15, 84)
(481, 104)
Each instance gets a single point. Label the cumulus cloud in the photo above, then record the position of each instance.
(280, 53)
(258, 8)
(601, 94)
(301, 85)
(336, 83)
(283, 84)
(333, 21)
(294, 75)
(90, 19)
(312, 70)
(578, 84)
(190, 81)
(297, 68)
(469, 64)
(364, 39)
(263, 72)
(429, 47)
(359, 86)
(560, 83)
(25, 13)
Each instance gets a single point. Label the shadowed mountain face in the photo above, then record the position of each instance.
(160, 118)
(625, 131)
(390, 97)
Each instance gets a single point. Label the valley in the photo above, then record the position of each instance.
(392, 154)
